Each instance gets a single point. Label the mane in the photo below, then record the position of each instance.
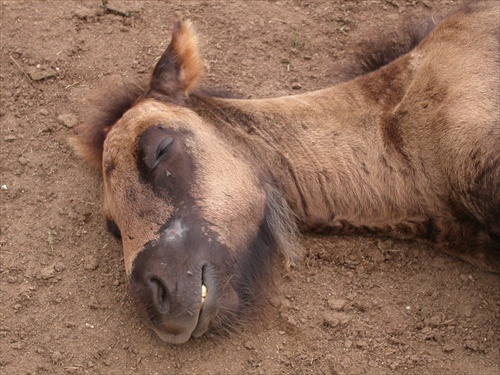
(282, 220)
(107, 106)
(379, 51)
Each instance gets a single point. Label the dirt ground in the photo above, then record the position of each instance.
(354, 306)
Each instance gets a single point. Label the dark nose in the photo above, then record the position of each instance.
(174, 290)
(160, 295)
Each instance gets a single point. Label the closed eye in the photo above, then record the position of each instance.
(162, 150)
(113, 229)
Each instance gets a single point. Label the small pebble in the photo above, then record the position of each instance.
(335, 319)
(361, 344)
(47, 272)
(448, 348)
(286, 305)
(68, 119)
(41, 73)
(90, 263)
(59, 267)
(83, 12)
(93, 304)
(296, 86)
(249, 345)
(336, 304)
(56, 357)
(394, 365)
(471, 344)
(124, 8)
(434, 321)
(292, 321)
(22, 160)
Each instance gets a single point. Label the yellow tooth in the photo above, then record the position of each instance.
(203, 293)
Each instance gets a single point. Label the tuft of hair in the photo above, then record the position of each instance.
(277, 237)
(106, 107)
(215, 92)
(387, 47)
(180, 67)
(283, 221)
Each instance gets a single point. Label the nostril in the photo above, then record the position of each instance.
(159, 295)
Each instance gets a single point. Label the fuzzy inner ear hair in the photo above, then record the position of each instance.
(180, 68)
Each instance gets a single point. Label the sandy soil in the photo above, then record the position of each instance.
(354, 306)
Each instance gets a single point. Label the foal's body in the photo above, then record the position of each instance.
(204, 192)
(412, 149)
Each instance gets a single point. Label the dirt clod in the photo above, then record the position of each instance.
(85, 13)
(59, 267)
(124, 8)
(335, 319)
(90, 263)
(93, 302)
(41, 73)
(448, 348)
(22, 160)
(336, 304)
(250, 345)
(17, 306)
(472, 345)
(56, 357)
(47, 272)
(67, 119)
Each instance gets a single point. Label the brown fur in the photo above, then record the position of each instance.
(410, 150)
(88, 139)
(180, 68)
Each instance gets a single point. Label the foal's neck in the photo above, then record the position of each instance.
(332, 152)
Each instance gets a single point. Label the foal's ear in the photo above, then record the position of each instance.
(180, 68)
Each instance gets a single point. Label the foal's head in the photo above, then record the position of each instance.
(199, 222)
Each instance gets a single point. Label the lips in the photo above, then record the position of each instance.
(207, 312)
(200, 325)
